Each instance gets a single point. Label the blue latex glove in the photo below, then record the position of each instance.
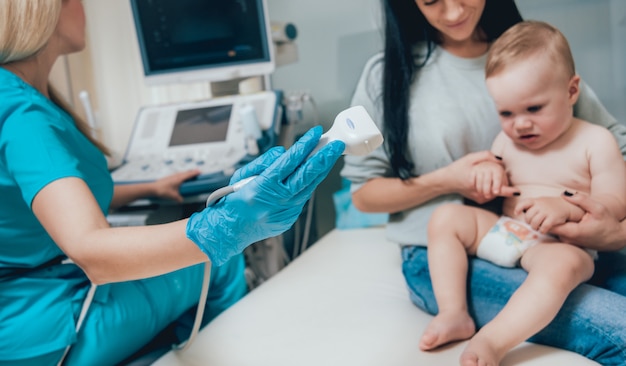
(268, 205)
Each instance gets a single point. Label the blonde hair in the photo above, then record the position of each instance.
(526, 39)
(25, 28)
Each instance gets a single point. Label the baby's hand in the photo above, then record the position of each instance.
(543, 213)
(489, 179)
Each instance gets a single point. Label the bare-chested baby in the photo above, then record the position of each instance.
(545, 151)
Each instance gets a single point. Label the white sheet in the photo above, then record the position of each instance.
(343, 302)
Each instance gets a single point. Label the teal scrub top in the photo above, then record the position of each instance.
(39, 143)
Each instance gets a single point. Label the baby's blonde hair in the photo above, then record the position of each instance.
(526, 39)
(25, 27)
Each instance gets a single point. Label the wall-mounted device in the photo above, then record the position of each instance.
(208, 40)
(284, 36)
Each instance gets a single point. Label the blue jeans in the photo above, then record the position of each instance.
(590, 323)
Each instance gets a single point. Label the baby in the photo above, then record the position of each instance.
(545, 151)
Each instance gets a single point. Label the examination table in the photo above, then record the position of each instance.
(343, 302)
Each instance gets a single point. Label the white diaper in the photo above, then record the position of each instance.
(507, 240)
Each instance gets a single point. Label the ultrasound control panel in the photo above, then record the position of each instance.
(206, 135)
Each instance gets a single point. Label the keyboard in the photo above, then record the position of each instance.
(150, 168)
(214, 172)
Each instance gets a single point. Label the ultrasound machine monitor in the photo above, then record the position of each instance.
(203, 40)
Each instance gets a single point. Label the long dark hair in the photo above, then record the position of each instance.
(405, 27)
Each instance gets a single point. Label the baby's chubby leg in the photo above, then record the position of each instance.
(554, 270)
(454, 231)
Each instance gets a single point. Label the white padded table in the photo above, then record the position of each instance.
(343, 302)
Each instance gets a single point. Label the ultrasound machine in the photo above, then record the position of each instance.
(211, 41)
(215, 136)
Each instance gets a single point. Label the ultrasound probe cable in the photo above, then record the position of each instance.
(221, 192)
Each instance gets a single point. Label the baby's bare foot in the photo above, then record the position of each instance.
(445, 328)
(481, 352)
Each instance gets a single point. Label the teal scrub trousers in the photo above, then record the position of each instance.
(125, 316)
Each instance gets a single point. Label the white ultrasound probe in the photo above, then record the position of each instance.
(356, 129)
(353, 126)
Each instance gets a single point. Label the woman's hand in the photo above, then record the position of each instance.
(462, 177)
(169, 187)
(599, 229)
(166, 188)
(489, 178)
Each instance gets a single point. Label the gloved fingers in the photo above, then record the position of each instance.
(258, 165)
(310, 174)
(288, 162)
(283, 219)
(297, 187)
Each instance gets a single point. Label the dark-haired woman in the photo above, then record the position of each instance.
(427, 91)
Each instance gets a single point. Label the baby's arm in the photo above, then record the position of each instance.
(608, 172)
(607, 185)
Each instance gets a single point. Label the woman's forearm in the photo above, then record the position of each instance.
(110, 254)
(394, 195)
(619, 243)
(127, 253)
(124, 194)
(605, 241)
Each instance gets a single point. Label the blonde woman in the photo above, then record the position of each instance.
(56, 189)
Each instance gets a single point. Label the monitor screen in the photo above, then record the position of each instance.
(201, 125)
(202, 40)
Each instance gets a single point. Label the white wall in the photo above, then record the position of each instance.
(596, 31)
(335, 38)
